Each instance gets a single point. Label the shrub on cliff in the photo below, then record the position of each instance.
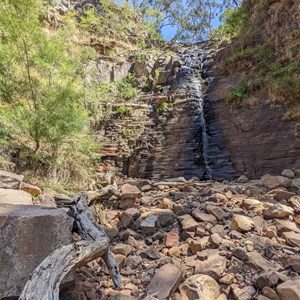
(42, 86)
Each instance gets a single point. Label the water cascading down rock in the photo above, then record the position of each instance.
(181, 141)
(189, 70)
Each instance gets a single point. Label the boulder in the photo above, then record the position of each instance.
(165, 281)
(218, 198)
(241, 223)
(172, 239)
(31, 189)
(129, 216)
(165, 217)
(246, 293)
(28, 234)
(288, 173)
(242, 179)
(292, 238)
(9, 180)
(290, 289)
(257, 262)
(197, 244)
(130, 191)
(284, 226)
(272, 182)
(188, 223)
(203, 217)
(280, 194)
(270, 293)
(296, 183)
(269, 278)
(218, 212)
(149, 225)
(278, 211)
(122, 249)
(252, 204)
(199, 287)
(19, 197)
(116, 295)
(213, 266)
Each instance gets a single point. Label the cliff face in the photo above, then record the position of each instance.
(257, 134)
(165, 135)
(278, 24)
(178, 144)
(257, 137)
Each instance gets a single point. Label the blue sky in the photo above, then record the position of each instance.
(168, 32)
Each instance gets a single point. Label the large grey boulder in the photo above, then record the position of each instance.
(28, 234)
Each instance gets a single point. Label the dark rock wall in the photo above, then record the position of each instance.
(257, 137)
(253, 140)
(173, 145)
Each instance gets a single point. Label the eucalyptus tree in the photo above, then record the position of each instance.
(192, 18)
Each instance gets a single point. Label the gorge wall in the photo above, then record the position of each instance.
(164, 135)
(257, 137)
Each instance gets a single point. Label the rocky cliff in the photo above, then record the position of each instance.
(166, 137)
(258, 133)
(259, 140)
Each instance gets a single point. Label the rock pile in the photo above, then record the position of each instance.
(179, 239)
(202, 240)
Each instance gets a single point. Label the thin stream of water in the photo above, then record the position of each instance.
(192, 63)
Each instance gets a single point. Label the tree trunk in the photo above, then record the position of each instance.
(45, 281)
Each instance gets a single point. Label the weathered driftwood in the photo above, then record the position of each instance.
(104, 193)
(45, 281)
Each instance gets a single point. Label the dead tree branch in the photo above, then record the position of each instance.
(45, 281)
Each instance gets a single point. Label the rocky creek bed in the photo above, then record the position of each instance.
(173, 239)
(193, 240)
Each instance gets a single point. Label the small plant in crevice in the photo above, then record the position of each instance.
(162, 107)
(125, 89)
(237, 95)
(123, 111)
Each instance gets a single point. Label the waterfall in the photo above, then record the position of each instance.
(193, 66)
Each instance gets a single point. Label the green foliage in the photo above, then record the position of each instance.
(257, 68)
(238, 95)
(191, 18)
(123, 111)
(112, 21)
(162, 107)
(44, 91)
(259, 56)
(284, 81)
(125, 89)
(41, 76)
(232, 20)
(141, 42)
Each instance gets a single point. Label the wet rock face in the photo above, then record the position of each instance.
(28, 234)
(178, 141)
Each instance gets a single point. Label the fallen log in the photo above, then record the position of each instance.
(45, 281)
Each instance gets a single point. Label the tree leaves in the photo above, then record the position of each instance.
(192, 18)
